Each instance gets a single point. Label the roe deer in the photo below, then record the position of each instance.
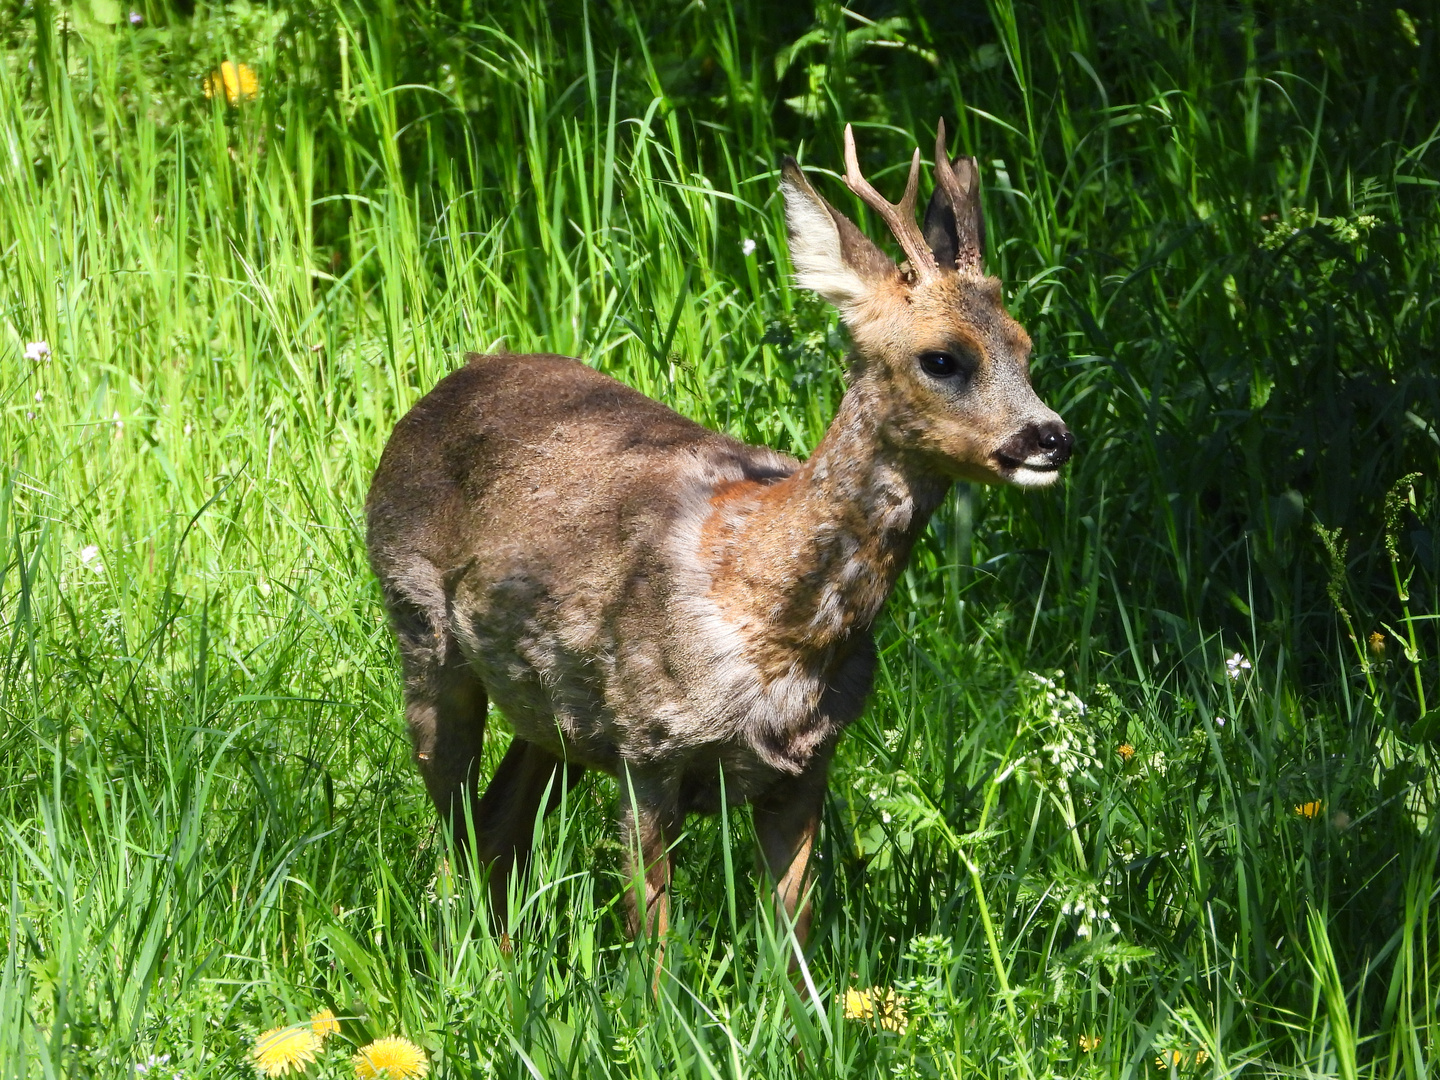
(644, 596)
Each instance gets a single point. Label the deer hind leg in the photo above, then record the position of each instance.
(506, 815)
(445, 707)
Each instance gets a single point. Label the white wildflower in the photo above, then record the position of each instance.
(747, 246)
(1235, 665)
(36, 351)
(90, 557)
(1090, 917)
(1069, 744)
(441, 889)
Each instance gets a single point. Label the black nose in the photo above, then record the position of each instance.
(1055, 439)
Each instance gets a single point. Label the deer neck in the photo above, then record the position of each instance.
(802, 564)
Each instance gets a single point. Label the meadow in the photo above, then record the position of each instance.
(1150, 781)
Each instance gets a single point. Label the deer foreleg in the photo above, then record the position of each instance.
(786, 829)
(649, 825)
(506, 816)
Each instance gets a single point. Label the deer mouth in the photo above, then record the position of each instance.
(1031, 473)
(1033, 458)
(1034, 475)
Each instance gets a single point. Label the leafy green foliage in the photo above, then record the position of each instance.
(1149, 778)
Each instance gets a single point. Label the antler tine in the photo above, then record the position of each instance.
(900, 218)
(944, 174)
(967, 257)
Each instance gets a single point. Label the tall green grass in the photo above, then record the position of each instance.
(1219, 224)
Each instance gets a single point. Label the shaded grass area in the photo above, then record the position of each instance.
(1219, 225)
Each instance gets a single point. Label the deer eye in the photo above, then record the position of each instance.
(940, 365)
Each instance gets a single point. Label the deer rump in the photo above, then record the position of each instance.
(549, 540)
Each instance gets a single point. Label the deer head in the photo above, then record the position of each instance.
(948, 365)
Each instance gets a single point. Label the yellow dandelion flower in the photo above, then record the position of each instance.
(284, 1048)
(1181, 1059)
(1126, 751)
(878, 1004)
(1310, 810)
(324, 1024)
(1089, 1043)
(1377, 645)
(391, 1057)
(238, 82)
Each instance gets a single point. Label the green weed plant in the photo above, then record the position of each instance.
(1148, 786)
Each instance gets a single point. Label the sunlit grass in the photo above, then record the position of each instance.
(1138, 793)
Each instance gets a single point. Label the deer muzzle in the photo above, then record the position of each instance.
(1033, 455)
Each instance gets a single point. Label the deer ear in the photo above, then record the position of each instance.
(954, 225)
(831, 256)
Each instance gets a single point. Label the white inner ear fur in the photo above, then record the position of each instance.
(815, 251)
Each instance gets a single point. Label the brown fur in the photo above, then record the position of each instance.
(645, 597)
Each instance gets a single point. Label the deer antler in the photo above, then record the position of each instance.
(900, 218)
(962, 195)
(944, 174)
